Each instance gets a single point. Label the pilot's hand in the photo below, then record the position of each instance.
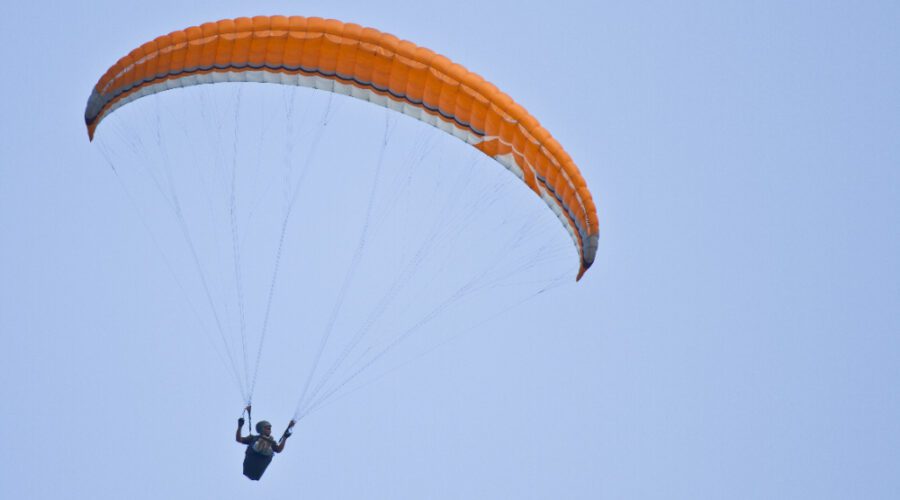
(241, 422)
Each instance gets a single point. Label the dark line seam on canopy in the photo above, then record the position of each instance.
(89, 120)
(581, 232)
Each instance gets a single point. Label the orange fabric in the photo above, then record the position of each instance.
(370, 60)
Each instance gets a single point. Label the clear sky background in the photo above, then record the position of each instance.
(738, 336)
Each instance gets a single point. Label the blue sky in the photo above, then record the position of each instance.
(738, 336)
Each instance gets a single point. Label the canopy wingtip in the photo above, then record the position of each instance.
(581, 272)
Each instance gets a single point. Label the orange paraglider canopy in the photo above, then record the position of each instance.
(365, 63)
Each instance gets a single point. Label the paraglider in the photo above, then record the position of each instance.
(261, 447)
(366, 64)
